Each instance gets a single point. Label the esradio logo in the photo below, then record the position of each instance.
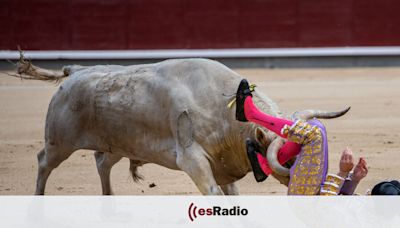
(194, 211)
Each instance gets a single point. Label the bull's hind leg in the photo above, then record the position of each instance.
(194, 162)
(105, 162)
(48, 159)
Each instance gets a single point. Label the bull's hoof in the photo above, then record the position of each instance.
(259, 175)
(241, 94)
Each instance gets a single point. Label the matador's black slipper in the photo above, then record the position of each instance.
(242, 92)
(251, 148)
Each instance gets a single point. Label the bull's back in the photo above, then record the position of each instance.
(150, 95)
(143, 99)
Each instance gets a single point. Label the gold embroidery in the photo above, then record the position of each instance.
(300, 190)
(305, 178)
(334, 179)
(332, 185)
(312, 180)
(311, 191)
(301, 180)
(316, 160)
(306, 160)
(303, 170)
(314, 170)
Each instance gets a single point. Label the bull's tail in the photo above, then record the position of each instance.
(133, 165)
(26, 70)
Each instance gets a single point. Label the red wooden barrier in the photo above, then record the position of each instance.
(176, 24)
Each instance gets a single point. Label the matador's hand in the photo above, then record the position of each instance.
(360, 171)
(346, 162)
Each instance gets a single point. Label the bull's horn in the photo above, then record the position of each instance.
(272, 157)
(308, 114)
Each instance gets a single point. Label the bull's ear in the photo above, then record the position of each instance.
(261, 137)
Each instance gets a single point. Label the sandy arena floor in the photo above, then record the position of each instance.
(371, 129)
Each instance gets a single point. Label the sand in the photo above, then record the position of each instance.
(371, 129)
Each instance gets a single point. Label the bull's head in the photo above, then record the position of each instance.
(272, 144)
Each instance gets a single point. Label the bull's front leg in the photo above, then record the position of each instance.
(230, 189)
(193, 161)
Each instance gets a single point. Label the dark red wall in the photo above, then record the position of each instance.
(166, 24)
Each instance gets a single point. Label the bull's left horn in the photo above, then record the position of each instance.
(272, 157)
(309, 114)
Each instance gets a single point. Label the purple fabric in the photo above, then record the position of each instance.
(318, 123)
(324, 149)
(349, 187)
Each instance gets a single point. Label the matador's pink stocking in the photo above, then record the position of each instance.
(272, 123)
(288, 150)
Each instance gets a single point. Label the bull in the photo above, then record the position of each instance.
(173, 113)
